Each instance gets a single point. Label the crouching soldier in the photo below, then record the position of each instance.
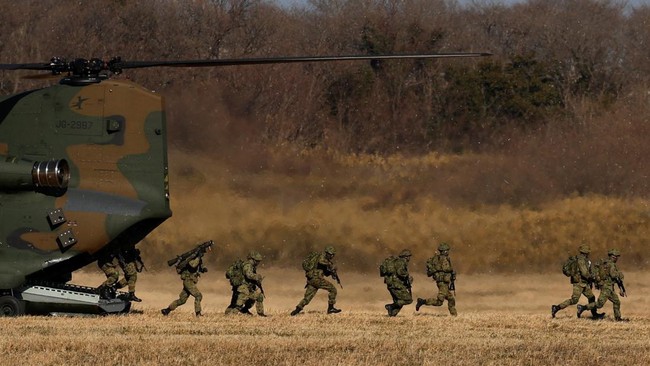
(246, 285)
(398, 280)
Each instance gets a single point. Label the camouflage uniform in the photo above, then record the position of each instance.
(316, 280)
(249, 292)
(606, 284)
(128, 260)
(190, 271)
(582, 282)
(444, 275)
(399, 284)
(106, 262)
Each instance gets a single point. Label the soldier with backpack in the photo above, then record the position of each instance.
(246, 285)
(398, 280)
(317, 266)
(190, 269)
(439, 267)
(579, 269)
(608, 275)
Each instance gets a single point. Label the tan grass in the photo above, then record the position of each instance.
(503, 320)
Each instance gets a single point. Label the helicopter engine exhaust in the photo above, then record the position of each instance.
(18, 174)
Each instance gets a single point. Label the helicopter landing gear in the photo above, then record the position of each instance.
(11, 306)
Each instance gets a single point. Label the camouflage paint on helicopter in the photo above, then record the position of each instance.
(112, 136)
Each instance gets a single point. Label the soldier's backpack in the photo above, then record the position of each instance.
(601, 270)
(388, 267)
(235, 273)
(433, 265)
(310, 263)
(570, 266)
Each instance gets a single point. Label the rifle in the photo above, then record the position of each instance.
(259, 284)
(452, 284)
(133, 254)
(621, 286)
(335, 276)
(409, 285)
(198, 251)
(138, 261)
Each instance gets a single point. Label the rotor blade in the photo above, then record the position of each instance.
(41, 76)
(284, 60)
(37, 66)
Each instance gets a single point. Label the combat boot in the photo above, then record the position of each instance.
(554, 310)
(245, 311)
(296, 311)
(596, 315)
(419, 304)
(262, 315)
(106, 292)
(165, 311)
(581, 309)
(132, 297)
(198, 314)
(332, 310)
(389, 308)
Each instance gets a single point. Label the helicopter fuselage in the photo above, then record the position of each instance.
(83, 169)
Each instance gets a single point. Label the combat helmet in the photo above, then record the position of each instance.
(405, 253)
(254, 254)
(443, 247)
(614, 252)
(330, 250)
(585, 249)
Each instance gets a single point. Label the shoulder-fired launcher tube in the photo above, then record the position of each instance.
(17, 174)
(201, 248)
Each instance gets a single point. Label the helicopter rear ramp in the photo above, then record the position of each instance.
(72, 299)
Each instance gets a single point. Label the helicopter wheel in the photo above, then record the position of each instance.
(11, 306)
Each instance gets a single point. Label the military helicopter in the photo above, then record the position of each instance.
(83, 171)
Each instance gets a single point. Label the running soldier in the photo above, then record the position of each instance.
(398, 280)
(131, 263)
(316, 267)
(607, 275)
(190, 270)
(579, 269)
(439, 267)
(246, 285)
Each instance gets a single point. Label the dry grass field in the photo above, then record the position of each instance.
(503, 320)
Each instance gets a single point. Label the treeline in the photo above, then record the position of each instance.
(556, 65)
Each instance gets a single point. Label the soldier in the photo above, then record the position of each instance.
(317, 266)
(190, 270)
(246, 285)
(106, 262)
(439, 267)
(398, 280)
(131, 263)
(608, 275)
(582, 278)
